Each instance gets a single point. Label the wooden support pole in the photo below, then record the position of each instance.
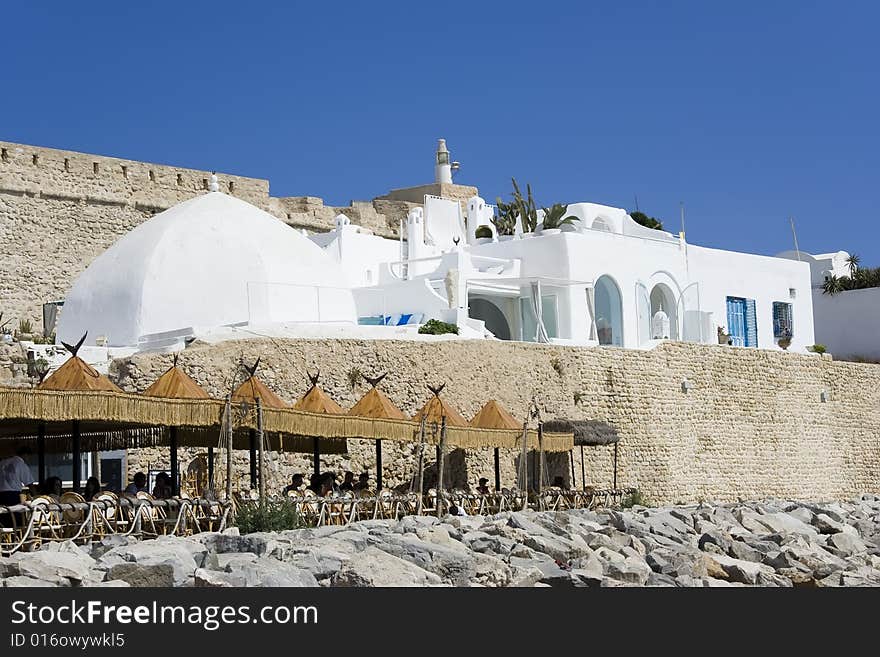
(378, 465)
(522, 475)
(441, 457)
(260, 460)
(175, 468)
(540, 485)
(615, 467)
(41, 452)
(210, 468)
(497, 471)
(77, 457)
(583, 471)
(317, 456)
(252, 445)
(421, 469)
(228, 447)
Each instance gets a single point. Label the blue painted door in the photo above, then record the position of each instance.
(736, 320)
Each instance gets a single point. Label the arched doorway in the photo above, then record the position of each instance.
(609, 312)
(491, 315)
(663, 298)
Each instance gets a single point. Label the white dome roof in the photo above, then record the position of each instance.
(211, 261)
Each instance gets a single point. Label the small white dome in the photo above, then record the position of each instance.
(211, 261)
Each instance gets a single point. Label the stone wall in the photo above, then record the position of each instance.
(751, 425)
(60, 209)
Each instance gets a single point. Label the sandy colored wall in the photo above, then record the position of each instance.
(752, 424)
(60, 209)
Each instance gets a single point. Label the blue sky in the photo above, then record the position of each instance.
(746, 112)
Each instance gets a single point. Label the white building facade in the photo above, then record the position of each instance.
(215, 267)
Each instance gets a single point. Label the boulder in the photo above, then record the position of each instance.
(216, 579)
(269, 572)
(53, 564)
(745, 572)
(844, 545)
(178, 553)
(630, 571)
(454, 563)
(373, 567)
(142, 575)
(23, 581)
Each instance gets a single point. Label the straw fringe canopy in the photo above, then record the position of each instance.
(76, 374)
(376, 405)
(253, 389)
(435, 409)
(494, 416)
(21, 410)
(176, 384)
(318, 401)
(586, 432)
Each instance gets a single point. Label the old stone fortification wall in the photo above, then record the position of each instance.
(60, 209)
(751, 425)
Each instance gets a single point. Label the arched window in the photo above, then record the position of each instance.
(663, 298)
(609, 312)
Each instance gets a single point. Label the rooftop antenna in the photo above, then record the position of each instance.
(681, 205)
(794, 234)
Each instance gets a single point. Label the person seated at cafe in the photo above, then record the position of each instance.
(138, 484)
(296, 482)
(163, 490)
(347, 482)
(315, 483)
(363, 481)
(559, 482)
(483, 487)
(328, 484)
(52, 487)
(15, 476)
(93, 487)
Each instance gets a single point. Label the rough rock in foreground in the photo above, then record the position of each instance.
(773, 543)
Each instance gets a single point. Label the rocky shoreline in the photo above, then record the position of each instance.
(770, 543)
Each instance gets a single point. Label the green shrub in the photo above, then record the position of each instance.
(817, 348)
(436, 327)
(635, 498)
(268, 516)
(25, 326)
(483, 231)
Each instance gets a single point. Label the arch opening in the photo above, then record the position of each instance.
(609, 312)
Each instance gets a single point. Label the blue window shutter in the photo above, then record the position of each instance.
(751, 324)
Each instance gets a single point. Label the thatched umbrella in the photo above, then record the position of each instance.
(437, 412)
(494, 416)
(251, 390)
(177, 384)
(590, 433)
(74, 374)
(374, 404)
(317, 401)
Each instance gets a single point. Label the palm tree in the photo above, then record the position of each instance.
(832, 285)
(853, 263)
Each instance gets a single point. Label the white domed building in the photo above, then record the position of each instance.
(211, 262)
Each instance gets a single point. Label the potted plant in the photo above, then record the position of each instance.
(505, 221)
(723, 337)
(784, 342)
(552, 221)
(483, 234)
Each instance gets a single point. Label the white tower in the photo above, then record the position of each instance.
(442, 164)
